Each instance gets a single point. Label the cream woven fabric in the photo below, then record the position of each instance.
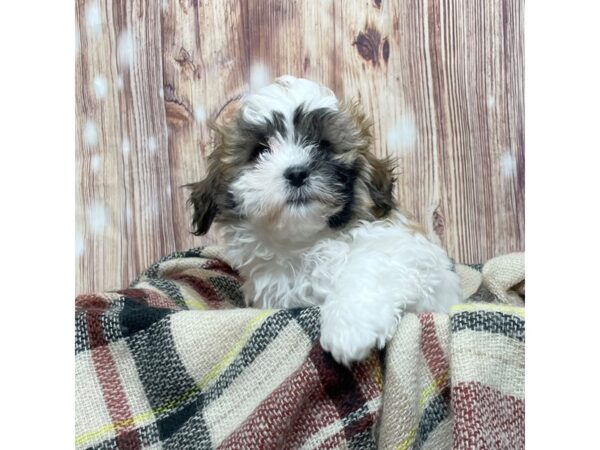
(176, 362)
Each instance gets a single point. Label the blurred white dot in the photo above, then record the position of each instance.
(125, 49)
(259, 76)
(90, 135)
(125, 146)
(96, 217)
(161, 93)
(93, 19)
(100, 87)
(199, 114)
(95, 163)
(491, 101)
(402, 136)
(152, 144)
(77, 41)
(119, 82)
(168, 190)
(153, 208)
(508, 164)
(79, 245)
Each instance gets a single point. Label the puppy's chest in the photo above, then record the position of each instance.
(284, 283)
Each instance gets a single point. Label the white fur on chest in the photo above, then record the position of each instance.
(275, 276)
(376, 259)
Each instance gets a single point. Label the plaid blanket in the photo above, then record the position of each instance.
(176, 362)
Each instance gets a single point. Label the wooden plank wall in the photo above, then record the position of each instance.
(442, 79)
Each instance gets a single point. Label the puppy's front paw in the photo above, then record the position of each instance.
(349, 343)
(346, 347)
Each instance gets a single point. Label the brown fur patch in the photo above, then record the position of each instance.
(378, 172)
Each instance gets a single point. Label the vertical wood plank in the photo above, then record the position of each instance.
(205, 67)
(124, 217)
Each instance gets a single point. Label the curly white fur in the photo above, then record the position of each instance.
(364, 278)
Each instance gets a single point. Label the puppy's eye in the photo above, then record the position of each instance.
(258, 150)
(324, 144)
(343, 177)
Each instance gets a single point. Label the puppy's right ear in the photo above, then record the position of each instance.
(202, 199)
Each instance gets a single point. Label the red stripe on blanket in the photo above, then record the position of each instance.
(90, 302)
(107, 373)
(202, 287)
(221, 267)
(297, 409)
(319, 410)
(343, 389)
(433, 352)
(369, 377)
(485, 418)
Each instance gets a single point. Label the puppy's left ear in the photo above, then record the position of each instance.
(377, 173)
(203, 200)
(380, 183)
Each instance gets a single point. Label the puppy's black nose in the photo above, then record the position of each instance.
(296, 175)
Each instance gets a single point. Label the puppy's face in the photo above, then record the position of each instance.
(293, 162)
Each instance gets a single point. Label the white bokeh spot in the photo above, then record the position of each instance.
(125, 146)
(125, 49)
(96, 217)
(100, 86)
(508, 164)
(259, 76)
(93, 19)
(199, 114)
(79, 245)
(95, 163)
(77, 41)
(90, 134)
(152, 144)
(402, 137)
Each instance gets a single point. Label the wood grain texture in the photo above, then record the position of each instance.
(442, 80)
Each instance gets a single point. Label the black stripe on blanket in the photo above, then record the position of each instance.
(192, 435)
(148, 436)
(228, 290)
(175, 421)
(490, 321)
(159, 366)
(135, 317)
(436, 411)
(310, 321)
(258, 341)
(170, 289)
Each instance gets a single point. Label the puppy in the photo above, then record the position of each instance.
(308, 217)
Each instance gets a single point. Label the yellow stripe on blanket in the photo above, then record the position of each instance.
(432, 388)
(142, 418)
(194, 304)
(408, 440)
(218, 367)
(494, 307)
(428, 392)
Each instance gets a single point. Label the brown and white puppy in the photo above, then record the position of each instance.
(308, 217)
